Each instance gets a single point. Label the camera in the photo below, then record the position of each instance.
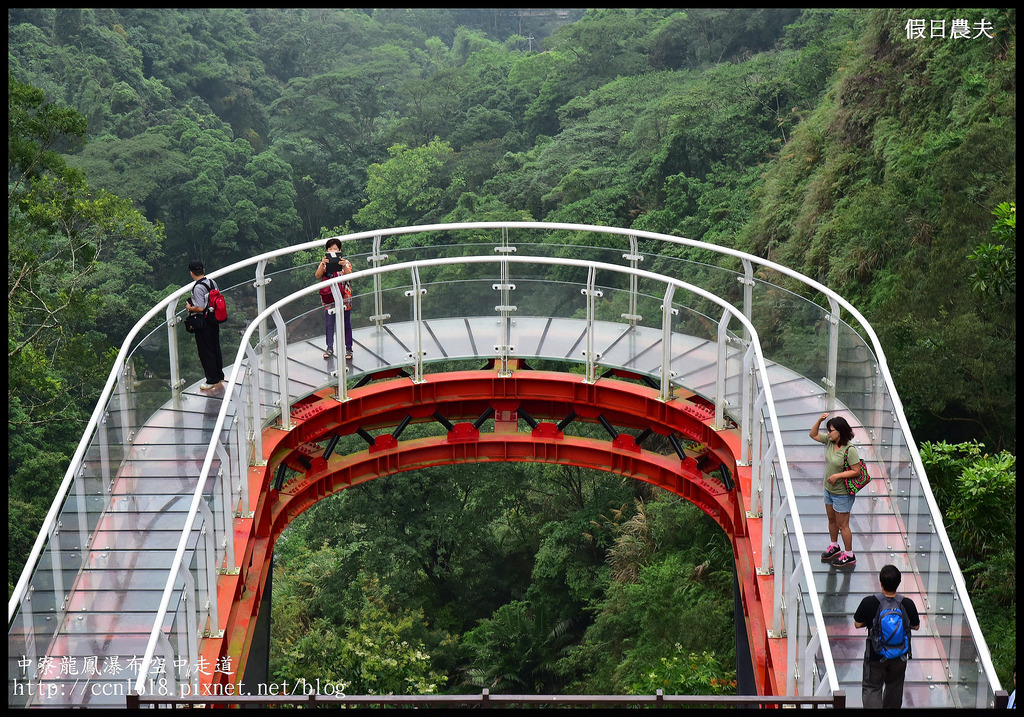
(333, 262)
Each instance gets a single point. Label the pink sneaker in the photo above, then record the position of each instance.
(844, 560)
(830, 553)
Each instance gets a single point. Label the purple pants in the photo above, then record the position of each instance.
(330, 326)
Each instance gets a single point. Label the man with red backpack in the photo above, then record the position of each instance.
(331, 266)
(207, 328)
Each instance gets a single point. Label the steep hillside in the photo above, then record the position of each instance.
(885, 191)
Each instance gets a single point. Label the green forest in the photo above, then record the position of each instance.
(837, 142)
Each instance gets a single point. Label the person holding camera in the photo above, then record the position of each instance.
(332, 266)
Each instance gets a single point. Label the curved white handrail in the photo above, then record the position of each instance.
(197, 498)
(49, 522)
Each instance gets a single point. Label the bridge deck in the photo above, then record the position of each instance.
(113, 600)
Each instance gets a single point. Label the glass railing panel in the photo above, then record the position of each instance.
(793, 331)
(857, 375)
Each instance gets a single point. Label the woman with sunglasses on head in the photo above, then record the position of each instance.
(839, 454)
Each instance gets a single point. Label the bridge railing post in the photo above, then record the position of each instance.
(376, 258)
(284, 399)
(793, 628)
(722, 370)
(260, 285)
(228, 503)
(174, 365)
(590, 354)
(833, 355)
(747, 397)
(779, 552)
(206, 559)
(634, 257)
(767, 511)
(255, 411)
(126, 401)
(505, 308)
(667, 312)
(190, 625)
(416, 295)
(341, 340)
(748, 293)
(239, 450)
(758, 464)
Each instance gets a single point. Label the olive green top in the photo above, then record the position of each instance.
(834, 457)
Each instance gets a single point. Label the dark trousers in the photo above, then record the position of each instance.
(329, 326)
(883, 684)
(208, 344)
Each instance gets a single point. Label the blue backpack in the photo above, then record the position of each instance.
(890, 632)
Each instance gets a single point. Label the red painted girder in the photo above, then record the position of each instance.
(465, 395)
(680, 477)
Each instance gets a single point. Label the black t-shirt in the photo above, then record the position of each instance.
(867, 609)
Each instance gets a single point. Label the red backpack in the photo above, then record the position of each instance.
(215, 303)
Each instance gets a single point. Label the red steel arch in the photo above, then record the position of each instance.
(456, 399)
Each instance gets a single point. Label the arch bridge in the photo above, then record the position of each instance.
(154, 558)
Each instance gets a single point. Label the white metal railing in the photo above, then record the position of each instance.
(800, 579)
(881, 413)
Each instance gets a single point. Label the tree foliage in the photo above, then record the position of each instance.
(74, 253)
(996, 264)
(821, 138)
(977, 493)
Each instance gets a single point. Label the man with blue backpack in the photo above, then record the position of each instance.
(889, 618)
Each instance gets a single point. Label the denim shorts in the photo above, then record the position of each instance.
(840, 503)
